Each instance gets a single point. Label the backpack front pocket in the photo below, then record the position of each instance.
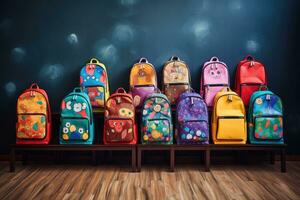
(96, 95)
(31, 126)
(119, 130)
(75, 129)
(173, 91)
(231, 128)
(211, 91)
(268, 127)
(193, 131)
(157, 130)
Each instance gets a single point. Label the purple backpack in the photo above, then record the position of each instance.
(214, 78)
(192, 119)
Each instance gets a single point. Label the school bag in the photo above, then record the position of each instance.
(176, 78)
(119, 122)
(214, 78)
(33, 117)
(156, 125)
(94, 80)
(250, 75)
(265, 116)
(228, 123)
(143, 81)
(192, 126)
(76, 119)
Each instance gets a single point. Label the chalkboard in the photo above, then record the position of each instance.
(49, 41)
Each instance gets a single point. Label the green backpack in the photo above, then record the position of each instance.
(157, 125)
(76, 119)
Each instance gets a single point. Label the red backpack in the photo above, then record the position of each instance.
(119, 121)
(33, 117)
(250, 76)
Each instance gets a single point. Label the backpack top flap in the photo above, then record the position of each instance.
(176, 71)
(143, 73)
(228, 103)
(251, 71)
(93, 74)
(215, 72)
(120, 105)
(191, 107)
(77, 105)
(156, 106)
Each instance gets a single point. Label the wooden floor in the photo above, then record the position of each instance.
(41, 181)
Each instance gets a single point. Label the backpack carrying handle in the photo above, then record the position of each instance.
(77, 89)
(174, 58)
(263, 87)
(34, 86)
(214, 58)
(249, 58)
(226, 89)
(143, 60)
(157, 90)
(121, 90)
(94, 61)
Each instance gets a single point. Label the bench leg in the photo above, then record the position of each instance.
(207, 160)
(283, 160)
(94, 158)
(139, 159)
(24, 158)
(133, 159)
(12, 160)
(172, 159)
(272, 157)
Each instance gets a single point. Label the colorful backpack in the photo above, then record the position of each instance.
(265, 118)
(192, 125)
(214, 78)
(250, 75)
(119, 123)
(156, 126)
(76, 119)
(228, 123)
(176, 78)
(93, 78)
(33, 117)
(143, 81)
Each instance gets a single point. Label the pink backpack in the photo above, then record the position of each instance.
(214, 77)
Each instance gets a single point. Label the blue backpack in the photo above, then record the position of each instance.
(265, 118)
(192, 126)
(93, 79)
(156, 125)
(76, 119)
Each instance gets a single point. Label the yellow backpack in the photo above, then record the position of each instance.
(228, 123)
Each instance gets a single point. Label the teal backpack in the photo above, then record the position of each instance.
(156, 117)
(76, 119)
(265, 118)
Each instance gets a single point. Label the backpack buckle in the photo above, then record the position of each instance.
(268, 97)
(251, 63)
(32, 93)
(230, 98)
(192, 100)
(118, 100)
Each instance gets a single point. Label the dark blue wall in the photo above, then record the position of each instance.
(49, 41)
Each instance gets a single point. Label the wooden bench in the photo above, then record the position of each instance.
(60, 148)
